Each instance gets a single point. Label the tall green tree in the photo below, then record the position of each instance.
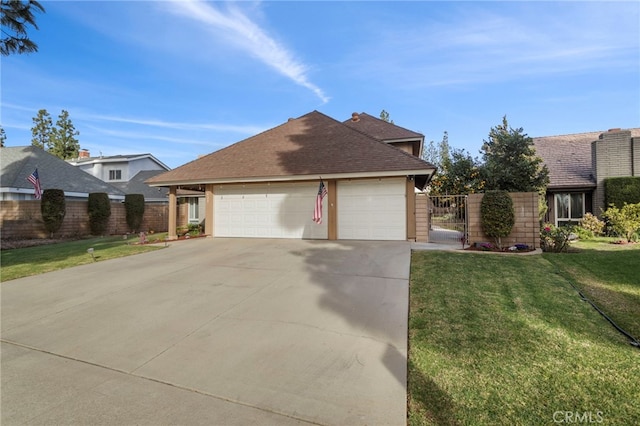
(16, 17)
(384, 116)
(63, 143)
(511, 162)
(430, 153)
(3, 136)
(463, 175)
(42, 129)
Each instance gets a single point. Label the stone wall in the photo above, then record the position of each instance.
(422, 218)
(23, 220)
(526, 229)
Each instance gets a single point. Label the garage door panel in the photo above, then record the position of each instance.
(267, 211)
(372, 209)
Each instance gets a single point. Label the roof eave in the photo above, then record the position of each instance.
(298, 178)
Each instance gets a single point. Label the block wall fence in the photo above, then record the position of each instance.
(23, 220)
(526, 229)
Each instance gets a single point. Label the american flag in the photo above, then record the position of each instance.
(35, 181)
(317, 211)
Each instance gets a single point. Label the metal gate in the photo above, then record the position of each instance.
(448, 221)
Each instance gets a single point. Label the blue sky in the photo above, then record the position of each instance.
(181, 79)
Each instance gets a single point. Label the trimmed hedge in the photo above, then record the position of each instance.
(99, 209)
(497, 215)
(134, 207)
(53, 208)
(621, 190)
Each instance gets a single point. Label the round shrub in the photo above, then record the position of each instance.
(134, 207)
(592, 224)
(497, 215)
(53, 209)
(99, 209)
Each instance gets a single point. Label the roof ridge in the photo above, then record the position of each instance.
(391, 124)
(384, 143)
(583, 133)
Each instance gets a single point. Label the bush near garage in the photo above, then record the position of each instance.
(134, 209)
(99, 210)
(53, 209)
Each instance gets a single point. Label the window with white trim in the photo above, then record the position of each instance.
(194, 210)
(115, 174)
(569, 208)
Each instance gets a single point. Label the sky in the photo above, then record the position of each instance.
(187, 78)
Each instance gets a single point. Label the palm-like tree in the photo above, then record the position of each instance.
(16, 16)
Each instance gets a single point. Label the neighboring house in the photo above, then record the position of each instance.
(18, 162)
(578, 165)
(126, 172)
(137, 185)
(266, 185)
(116, 168)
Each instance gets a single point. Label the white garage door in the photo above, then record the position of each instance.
(277, 210)
(372, 209)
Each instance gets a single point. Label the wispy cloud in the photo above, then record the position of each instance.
(247, 35)
(490, 44)
(247, 130)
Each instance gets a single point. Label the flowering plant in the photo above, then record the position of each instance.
(554, 238)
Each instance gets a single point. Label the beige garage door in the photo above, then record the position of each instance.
(372, 209)
(276, 210)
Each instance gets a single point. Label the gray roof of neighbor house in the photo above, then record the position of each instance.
(380, 129)
(310, 146)
(568, 158)
(117, 158)
(18, 162)
(137, 185)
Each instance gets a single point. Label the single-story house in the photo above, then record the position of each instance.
(578, 166)
(18, 162)
(267, 185)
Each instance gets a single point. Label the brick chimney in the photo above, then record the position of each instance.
(84, 153)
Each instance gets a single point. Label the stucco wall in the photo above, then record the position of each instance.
(23, 220)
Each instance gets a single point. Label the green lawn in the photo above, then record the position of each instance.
(27, 261)
(505, 339)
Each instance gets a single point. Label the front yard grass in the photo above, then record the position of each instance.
(28, 261)
(505, 339)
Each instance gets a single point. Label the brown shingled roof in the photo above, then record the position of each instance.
(312, 145)
(380, 129)
(568, 158)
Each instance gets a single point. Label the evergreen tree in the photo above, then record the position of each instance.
(42, 129)
(16, 16)
(63, 143)
(384, 116)
(463, 175)
(3, 136)
(511, 162)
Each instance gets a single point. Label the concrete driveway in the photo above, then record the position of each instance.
(212, 331)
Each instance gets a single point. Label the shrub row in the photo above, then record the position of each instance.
(53, 209)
